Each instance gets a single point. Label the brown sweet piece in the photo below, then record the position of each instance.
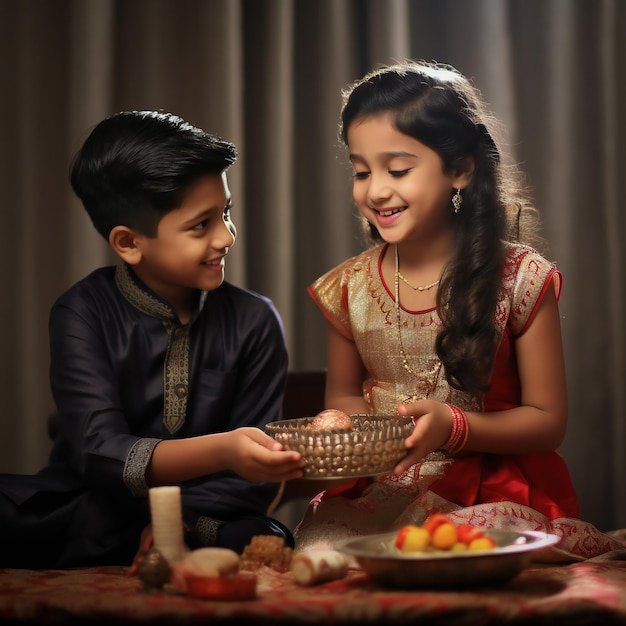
(331, 419)
(266, 551)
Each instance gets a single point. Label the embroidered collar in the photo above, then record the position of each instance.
(176, 367)
(148, 302)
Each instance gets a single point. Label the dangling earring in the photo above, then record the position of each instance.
(457, 200)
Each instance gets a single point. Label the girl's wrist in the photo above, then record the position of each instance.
(460, 431)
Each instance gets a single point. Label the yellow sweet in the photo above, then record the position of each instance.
(459, 546)
(482, 543)
(416, 540)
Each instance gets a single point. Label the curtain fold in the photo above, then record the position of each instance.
(268, 75)
(269, 151)
(90, 93)
(613, 134)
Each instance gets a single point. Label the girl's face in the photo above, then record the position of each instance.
(400, 184)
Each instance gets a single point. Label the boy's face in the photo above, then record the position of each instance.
(191, 243)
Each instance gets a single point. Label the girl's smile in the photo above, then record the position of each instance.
(386, 217)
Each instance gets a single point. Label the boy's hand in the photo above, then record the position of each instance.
(254, 455)
(433, 425)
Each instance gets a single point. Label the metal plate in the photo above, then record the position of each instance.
(386, 565)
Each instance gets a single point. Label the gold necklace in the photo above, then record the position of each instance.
(403, 356)
(411, 285)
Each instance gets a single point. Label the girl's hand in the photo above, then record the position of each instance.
(254, 455)
(433, 425)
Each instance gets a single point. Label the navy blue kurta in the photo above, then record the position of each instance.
(126, 374)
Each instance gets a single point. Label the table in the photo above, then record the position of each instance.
(589, 592)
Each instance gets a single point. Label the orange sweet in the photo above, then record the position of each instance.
(444, 536)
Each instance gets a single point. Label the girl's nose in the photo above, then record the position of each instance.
(378, 189)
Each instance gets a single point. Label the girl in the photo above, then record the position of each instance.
(450, 318)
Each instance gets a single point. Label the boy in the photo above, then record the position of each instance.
(162, 373)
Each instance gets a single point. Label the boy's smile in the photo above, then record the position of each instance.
(188, 252)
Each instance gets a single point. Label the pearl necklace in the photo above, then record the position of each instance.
(403, 356)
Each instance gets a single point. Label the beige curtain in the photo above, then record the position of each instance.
(267, 74)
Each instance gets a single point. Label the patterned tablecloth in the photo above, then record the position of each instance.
(590, 592)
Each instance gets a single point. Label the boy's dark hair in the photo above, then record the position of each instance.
(135, 167)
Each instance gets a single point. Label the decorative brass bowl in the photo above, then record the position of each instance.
(373, 445)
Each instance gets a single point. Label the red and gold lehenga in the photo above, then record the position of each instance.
(516, 492)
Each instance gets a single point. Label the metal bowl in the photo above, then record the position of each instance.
(386, 565)
(373, 445)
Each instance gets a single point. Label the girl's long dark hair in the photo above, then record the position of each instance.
(440, 108)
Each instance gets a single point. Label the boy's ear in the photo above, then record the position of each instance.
(463, 172)
(123, 240)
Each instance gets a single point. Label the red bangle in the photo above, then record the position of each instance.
(460, 431)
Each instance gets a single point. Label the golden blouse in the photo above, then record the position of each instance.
(361, 306)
